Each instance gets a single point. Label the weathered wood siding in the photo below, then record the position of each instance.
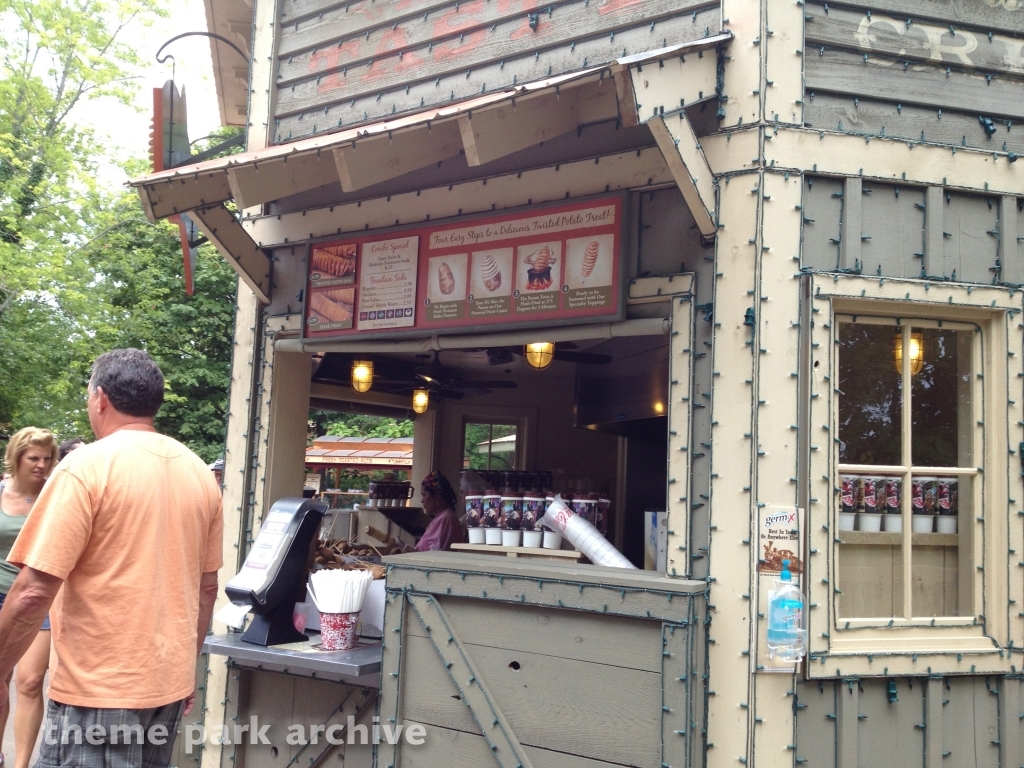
(572, 666)
(952, 722)
(903, 231)
(340, 63)
(940, 72)
(281, 700)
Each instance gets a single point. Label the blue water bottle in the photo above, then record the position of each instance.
(787, 635)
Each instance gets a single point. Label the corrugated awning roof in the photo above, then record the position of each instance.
(369, 154)
(361, 451)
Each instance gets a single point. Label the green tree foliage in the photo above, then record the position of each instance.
(480, 453)
(139, 268)
(53, 55)
(359, 425)
(81, 270)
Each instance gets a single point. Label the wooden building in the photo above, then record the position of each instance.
(804, 191)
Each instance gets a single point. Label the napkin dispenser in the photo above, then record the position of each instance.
(274, 572)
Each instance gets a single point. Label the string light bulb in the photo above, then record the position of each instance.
(362, 375)
(539, 354)
(420, 400)
(916, 352)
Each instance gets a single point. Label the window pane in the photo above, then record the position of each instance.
(872, 398)
(489, 447)
(940, 396)
(503, 447)
(871, 581)
(870, 561)
(941, 509)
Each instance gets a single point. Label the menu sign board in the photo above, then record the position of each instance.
(387, 284)
(561, 263)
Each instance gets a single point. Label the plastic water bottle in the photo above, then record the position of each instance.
(787, 636)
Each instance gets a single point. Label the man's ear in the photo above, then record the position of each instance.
(102, 401)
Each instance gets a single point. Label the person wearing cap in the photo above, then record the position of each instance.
(217, 468)
(438, 500)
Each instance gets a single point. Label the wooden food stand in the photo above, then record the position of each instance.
(772, 255)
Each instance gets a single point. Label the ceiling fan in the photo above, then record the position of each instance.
(436, 376)
(565, 351)
(401, 377)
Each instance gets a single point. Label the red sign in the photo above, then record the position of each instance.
(560, 263)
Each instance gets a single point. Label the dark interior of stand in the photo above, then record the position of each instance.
(619, 386)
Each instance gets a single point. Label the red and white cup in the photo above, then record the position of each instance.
(338, 631)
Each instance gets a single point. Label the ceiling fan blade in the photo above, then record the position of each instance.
(406, 388)
(588, 358)
(473, 384)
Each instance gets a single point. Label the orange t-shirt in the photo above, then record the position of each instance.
(130, 523)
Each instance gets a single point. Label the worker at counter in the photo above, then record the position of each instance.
(438, 499)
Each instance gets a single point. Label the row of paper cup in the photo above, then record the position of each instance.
(504, 538)
(872, 523)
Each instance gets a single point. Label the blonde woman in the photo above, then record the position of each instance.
(31, 455)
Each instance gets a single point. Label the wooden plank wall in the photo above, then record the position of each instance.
(340, 63)
(952, 722)
(281, 700)
(586, 674)
(949, 72)
(914, 232)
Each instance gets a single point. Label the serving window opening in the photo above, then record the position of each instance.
(590, 426)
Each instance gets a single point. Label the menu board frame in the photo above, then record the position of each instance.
(497, 278)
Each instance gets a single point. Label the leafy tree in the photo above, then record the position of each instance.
(363, 425)
(479, 452)
(53, 55)
(139, 272)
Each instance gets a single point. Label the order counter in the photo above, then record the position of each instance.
(359, 666)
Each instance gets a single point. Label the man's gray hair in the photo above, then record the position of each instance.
(131, 380)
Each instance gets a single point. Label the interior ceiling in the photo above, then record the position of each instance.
(452, 373)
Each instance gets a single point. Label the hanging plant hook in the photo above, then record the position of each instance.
(215, 36)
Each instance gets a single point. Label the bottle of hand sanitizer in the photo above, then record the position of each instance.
(787, 636)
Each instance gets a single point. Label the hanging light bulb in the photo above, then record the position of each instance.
(420, 400)
(539, 354)
(362, 375)
(916, 352)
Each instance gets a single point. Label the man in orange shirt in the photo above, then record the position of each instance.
(131, 527)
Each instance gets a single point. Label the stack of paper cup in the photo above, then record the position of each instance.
(582, 535)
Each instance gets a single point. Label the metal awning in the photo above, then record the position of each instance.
(481, 127)
(360, 452)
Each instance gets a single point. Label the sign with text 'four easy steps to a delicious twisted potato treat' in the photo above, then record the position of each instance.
(557, 263)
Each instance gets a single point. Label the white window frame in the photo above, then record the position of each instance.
(970, 591)
(979, 643)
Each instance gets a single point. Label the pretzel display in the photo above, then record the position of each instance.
(330, 310)
(331, 555)
(341, 295)
(334, 264)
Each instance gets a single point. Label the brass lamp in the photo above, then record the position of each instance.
(539, 354)
(916, 352)
(362, 375)
(420, 400)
